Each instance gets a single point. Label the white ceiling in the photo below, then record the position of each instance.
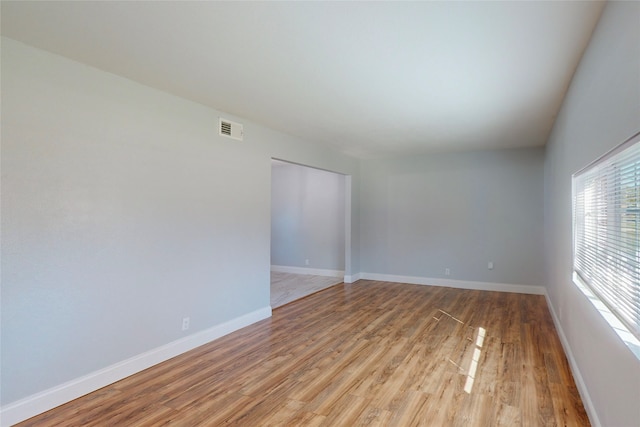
(371, 78)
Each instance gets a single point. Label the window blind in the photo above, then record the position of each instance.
(606, 208)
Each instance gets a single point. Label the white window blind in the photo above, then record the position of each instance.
(606, 208)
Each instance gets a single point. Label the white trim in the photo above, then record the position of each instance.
(347, 223)
(307, 270)
(582, 387)
(38, 403)
(352, 278)
(462, 284)
(623, 332)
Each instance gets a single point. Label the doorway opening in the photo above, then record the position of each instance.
(310, 230)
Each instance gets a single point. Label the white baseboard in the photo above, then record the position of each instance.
(48, 399)
(577, 375)
(307, 270)
(450, 283)
(352, 278)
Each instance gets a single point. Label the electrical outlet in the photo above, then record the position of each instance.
(185, 323)
(306, 261)
(490, 265)
(447, 272)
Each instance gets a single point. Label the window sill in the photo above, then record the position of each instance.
(623, 332)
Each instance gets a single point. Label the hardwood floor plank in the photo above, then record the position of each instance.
(374, 417)
(282, 413)
(346, 411)
(410, 409)
(565, 401)
(369, 353)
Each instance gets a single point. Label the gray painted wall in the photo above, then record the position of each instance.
(422, 214)
(307, 217)
(601, 110)
(122, 212)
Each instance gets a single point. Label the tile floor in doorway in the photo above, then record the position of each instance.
(287, 287)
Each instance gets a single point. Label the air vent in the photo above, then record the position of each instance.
(231, 129)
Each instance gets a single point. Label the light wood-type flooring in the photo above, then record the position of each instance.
(369, 353)
(287, 287)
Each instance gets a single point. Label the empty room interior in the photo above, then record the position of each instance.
(457, 182)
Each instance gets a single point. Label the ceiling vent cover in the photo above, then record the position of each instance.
(231, 129)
